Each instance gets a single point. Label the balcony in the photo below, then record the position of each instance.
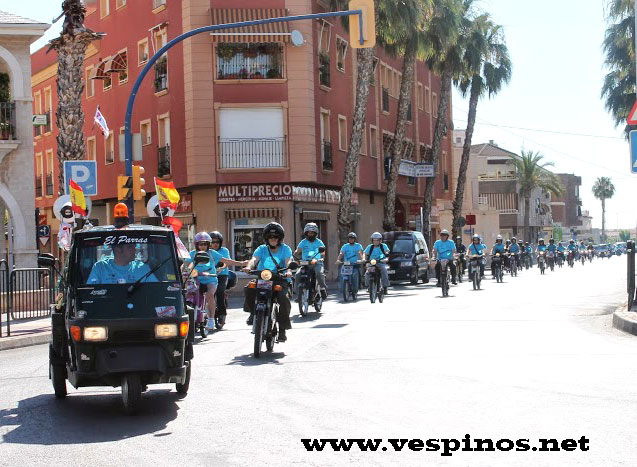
(252, 153)
(49, 184)
(324, 70)
(385, 100)
(163, 161)
(259, 61)
(326, 154)
(7, 121)
(161, 74)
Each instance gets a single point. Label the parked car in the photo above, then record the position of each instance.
(409, 258)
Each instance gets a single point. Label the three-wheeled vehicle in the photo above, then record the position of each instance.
(122, 318)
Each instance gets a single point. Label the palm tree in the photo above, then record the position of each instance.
(71, 47)
(401, 32)
(443, 33)
(603, 189)
(532, 173)
(488, 68)
(619, 46)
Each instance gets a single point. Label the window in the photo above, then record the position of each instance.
(326, 145)
(427, 100)
(37, 110)
(90, 148)
(104, 8)
(250, 61)
(325, 125)
(38, 175)
(163, 135)
(341, 53)
(420, 97)
(364, 140)
(107, 81)
(48, 105)
(49, 172)
(325, 35)
(145, 130)
(109, 149)
(161, 65)
(121, 146)
(90, 83)
(158, 4)
(435, 104)
(120, 3)
(373, 141)
(342, 133)
(142, 52)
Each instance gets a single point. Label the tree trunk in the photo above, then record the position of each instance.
(527, 215)
(441, 127)
(466, 151)
(397, 146)
(364, 72)
(603, 239)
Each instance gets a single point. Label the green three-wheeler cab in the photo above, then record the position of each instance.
(122, 319)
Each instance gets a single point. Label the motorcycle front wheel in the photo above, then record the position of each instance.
(304, 303)
(258, 332)
(346, 290)
(372, 290)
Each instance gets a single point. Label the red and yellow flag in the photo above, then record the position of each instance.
(167, 194)
(176, 224)
(78, 202)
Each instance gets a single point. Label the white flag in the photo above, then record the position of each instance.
(101, 122)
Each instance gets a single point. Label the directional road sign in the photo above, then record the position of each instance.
(84, 173)
(633, 151)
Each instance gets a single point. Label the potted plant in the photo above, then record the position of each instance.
(256, 75)
(226, 51)
(273, 74)
(243, 73)
(250, 52)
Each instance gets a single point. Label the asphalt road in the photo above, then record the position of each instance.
(534, 357)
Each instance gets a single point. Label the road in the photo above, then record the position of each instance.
(534, 357)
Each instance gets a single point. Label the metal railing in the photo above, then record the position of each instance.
(324, 70)
(326, 154)
(385, 100)
(163, 161)
(252, 153)
(7, 121)
(491, 177)
(630, 254)
(508, 211)
(250, 61)
(161, 74)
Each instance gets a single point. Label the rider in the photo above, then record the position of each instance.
(527, 251)
(273, 255)
(497, 248)
(308, 249)
(541, 247)
(380, 252)
(462, 251)
(444, 249)
(572, 247)
(478, 248)
(207, 273)
(217, 245)
(552, 247)
(514, 249)
(121, 268)
(352, 252)
(590, 249)
(582, 248)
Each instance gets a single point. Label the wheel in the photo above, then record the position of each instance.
(304, 304)
(346, 290)
(425, 279)
(271, 336)
(372, 290)
(381, 295)
(258, 332)
(413, 278)
(479, 280)
(131, 393)
(182, 388)
(475, 280)
(445, 286)
(220, 321)
(203, 330)
(318, 302)
(58, 378)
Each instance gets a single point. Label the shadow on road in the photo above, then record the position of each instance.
(266, 358)
(86, 418)
(305, 319)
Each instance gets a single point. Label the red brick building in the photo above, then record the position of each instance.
(250, 127)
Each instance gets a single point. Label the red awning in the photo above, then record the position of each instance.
(98, 71)
(275, 32)
(116, 64)
(251, 213)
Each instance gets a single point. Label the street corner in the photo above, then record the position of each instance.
(625, 320)
(16, 342)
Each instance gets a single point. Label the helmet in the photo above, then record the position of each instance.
(551, 240)
(352, 235)
(444, 232)
(508, 241)
(514, 240)
(310, 227)
(215, 235)
(377, 236)
(476, 236)
(499, 237)
(202, 237)
(458, 238)
(541, 240)
(571, 241)
(274, 229)
(526, 243)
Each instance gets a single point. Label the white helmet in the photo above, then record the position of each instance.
(499, 237)
(311, 227)
(377, 236)
(444, 232)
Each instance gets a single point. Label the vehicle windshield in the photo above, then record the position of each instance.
(124, 258)
(402, 245)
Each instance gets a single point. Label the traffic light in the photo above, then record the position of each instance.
(369, 24)
(138, 181)
(124, 187)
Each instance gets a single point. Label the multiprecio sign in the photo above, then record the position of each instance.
(242, 193)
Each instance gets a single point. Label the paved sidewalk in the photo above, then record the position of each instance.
(25, 333)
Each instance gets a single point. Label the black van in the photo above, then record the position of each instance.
(409, 258)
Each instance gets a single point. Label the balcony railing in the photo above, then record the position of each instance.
(250, 61)
(7, 121)
(252, 153)
(508, 211)
(324, 70)
(163, 161)
(385, 100)
(492, 177)
(161, 74)
(49, 184)
(326, 153)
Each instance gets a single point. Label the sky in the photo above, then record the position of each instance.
(555, 48)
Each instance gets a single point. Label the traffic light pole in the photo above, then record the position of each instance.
(128, 136)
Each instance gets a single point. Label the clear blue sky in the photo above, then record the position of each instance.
(557, 74)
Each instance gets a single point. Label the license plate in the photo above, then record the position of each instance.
(390, 271)
(406, 263)
(347, 270)
(261, 284)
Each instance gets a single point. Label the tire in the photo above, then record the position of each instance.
(131, 393)
(346, 290)
(372, 290)
(220, 322)
(542, 268)
(425, 279)
(479, 279)
(318, 302)
(58, 379)
(445, 285)
(258, 332)
(203, 330)
(381, 295)
(182, 388)
(269, 341)
(475, 279)
(304, 303)
(413, 279)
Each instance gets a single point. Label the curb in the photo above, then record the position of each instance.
(625, 320)
(7, 343)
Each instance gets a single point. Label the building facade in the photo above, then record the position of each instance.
(567, 208)
(250, 127)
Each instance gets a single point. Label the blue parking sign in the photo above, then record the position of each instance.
(84, 173)
(633, 151)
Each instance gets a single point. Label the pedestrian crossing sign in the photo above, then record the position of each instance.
(633, 151)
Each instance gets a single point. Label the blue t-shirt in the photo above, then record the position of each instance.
(445, 249)
(551, 247)
(265, 260)
(476, 249)
(350, 251)
(310, 250)
(582, 247)
(377, 252)
(514, 248)
(106, 271)
(560, 248)
(223, 251)
(571, 247)
(541, 248)
(498, 248)
(209, 267)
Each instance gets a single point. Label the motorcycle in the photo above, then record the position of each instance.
(460, 262)
(527, 260)
(513, 264)
(583, 258)
(309, 293)
(550, 259)
(560, 258)
(496, 267)
(590, 256)
(571, 258)
(541, 259)
(474, 271)
(348, 270)
(196, 298)
(375, 286)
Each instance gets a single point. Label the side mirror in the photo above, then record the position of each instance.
(421, 252)
(293, 265)
(202, 257)
(46, 260)
(321, 249)
(220, 265)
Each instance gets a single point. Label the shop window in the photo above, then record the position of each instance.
(247, 235)
(252, 61)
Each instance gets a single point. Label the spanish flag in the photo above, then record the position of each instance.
(176, 224)
(167, 193)
(78, 203)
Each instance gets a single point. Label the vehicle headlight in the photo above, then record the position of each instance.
(96, 334)
(266, 274)
(165, 331)
(373, 262)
